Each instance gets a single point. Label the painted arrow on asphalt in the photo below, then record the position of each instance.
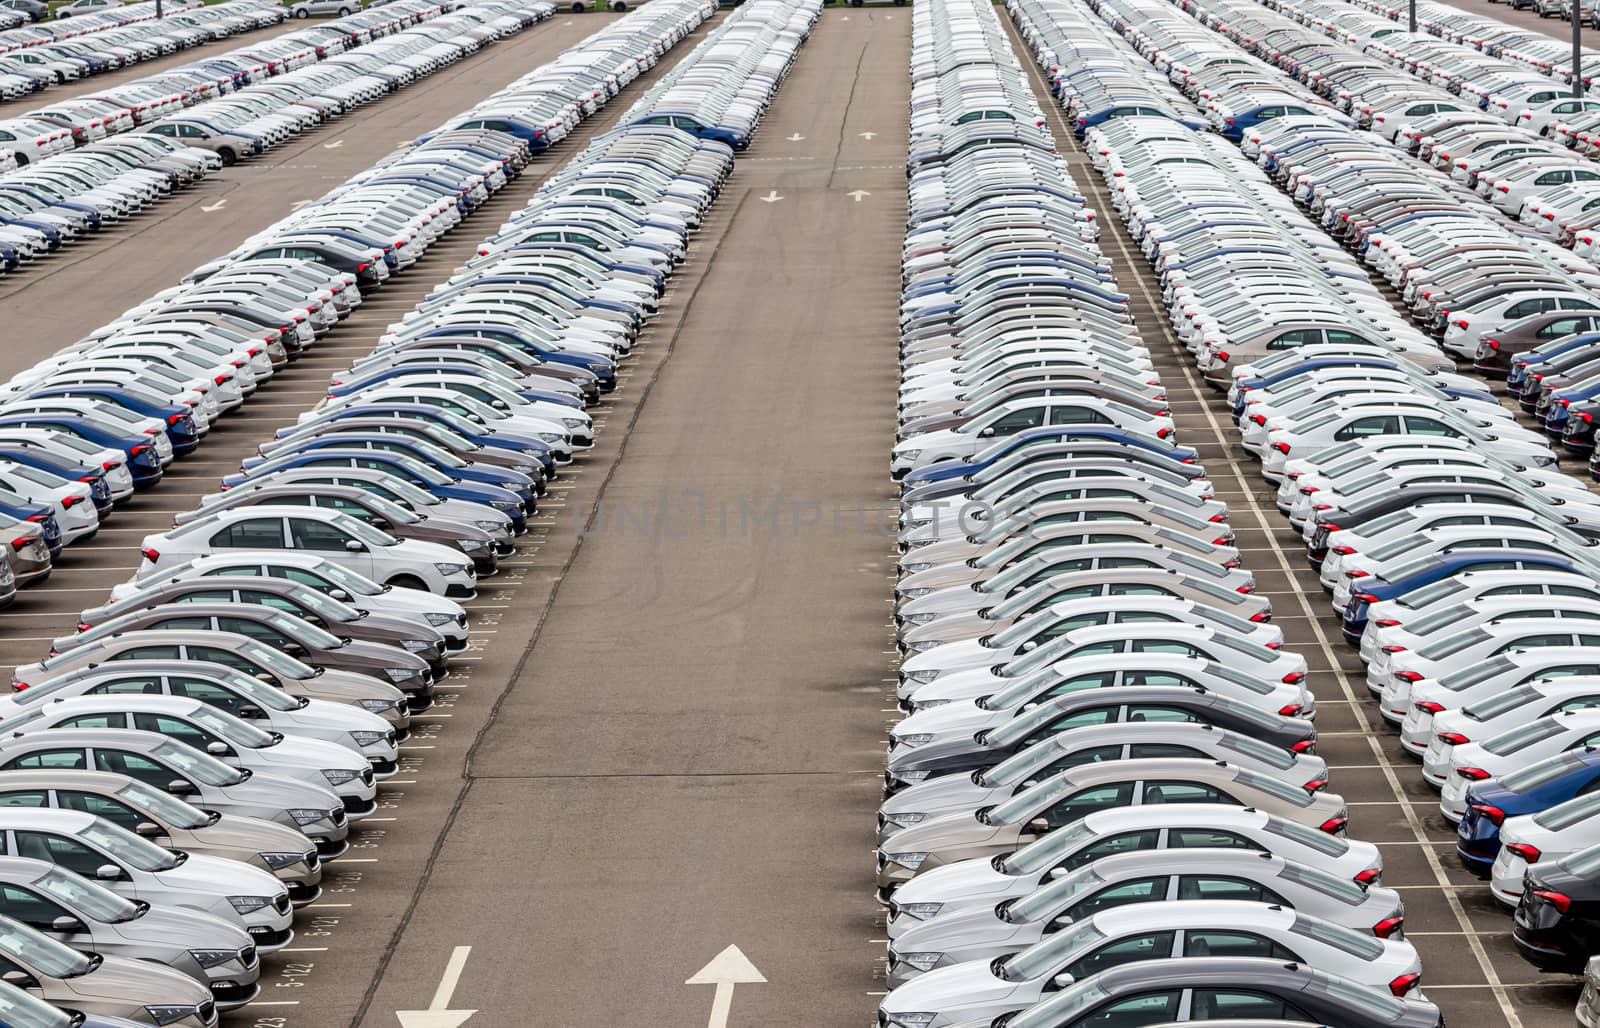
(298, 204)
(867, 135)
(333, 145)
(215, 206)
(727, 969)
(771, 197)
(796, 138)
(437, 1015)
(857, 194)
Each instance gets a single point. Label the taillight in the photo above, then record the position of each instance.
(1294, 678)
(1386, 623)
(1305, 746)
(1531, 854)
(1405, 983)
(68, 502)
(1366, 598)
(1261, 617)
(1343, 551)
(1282, 448)
(151, 555)
(20, 542)
(1429, 707)
(1560, 901)
(1316, 785)
(1394, 649)
(1388, 926)
(1246, 589)
(1334, 825)
(1478, 774)
(1408, 676)
(1370, 875)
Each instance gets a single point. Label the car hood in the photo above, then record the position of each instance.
(960, 829)
(194, 929)
(203, 875)
(968, 988)
(944, 795)
(268, 791)
(247, 835)
(123, 984)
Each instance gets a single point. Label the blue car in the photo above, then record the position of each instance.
(447, 463)
(690, 123)
(1441, 566)
(94, 477)
(144, 464)
(1527, 790)
(406, 469)
(180, 421)
(1051, 433)
(1522, 364)
(603, 368)
(42, 514)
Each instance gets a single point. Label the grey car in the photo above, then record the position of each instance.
(987, 931)
(94, 984)
(87, 916)
(184, 771)
(1071, 795)
(231, 650)
(1095, 744)
(170, 822)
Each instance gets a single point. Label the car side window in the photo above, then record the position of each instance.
(117, 813)
(1127, 842)
(315, 535)
(1086, 801)
(1019, 420)
(1149, 946)
(174, 728)
(134, 766)
(1240, 1004)
(1154, 712)
(1077, 719)
(1382, 424)
(1428, 426)
(1221, 887)
(1134, 1011)
(25, 798)
(253, 534)
(53, 760)
(1208, 838)
(57, 849)
(29, 907)
(139, 686)
(1140, 890)
(1183, 792)
(1225, 943)
(95, 721)
(1162, 749)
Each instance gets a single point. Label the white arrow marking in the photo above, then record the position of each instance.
(436, 1016)
(333, 145)
(727, 969)
(215, 206)
(857, 194)
(302, 203)
(771, 197)
(844, 18)
(796, 138)
(868, 136)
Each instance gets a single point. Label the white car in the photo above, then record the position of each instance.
(1551, 834)
(72, 501)
(1512, 751)
(1434, 734)
(336, 537)
(989, 988)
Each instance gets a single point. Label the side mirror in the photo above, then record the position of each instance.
(66, 924)
(1062, 980)
(148, 829)
(179, 787)
(1039, 826)
(498, 404)
(294, 649)
(985, 433)
(20, 979)
(267, 677)
(1028, 646)
(340, 595)
(218, 749)
(354, 546)
(251, 713)
(1059, 872)
(108, 872)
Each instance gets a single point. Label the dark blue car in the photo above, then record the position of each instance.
(180, 420)
(447, 463)
(144, 464)
(416, 472)
(1527, 790)
(1440, 566)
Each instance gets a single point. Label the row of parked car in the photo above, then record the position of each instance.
(267, 659)
(34, 58)
(1089, 677)
(88, 170)
(1455, 553)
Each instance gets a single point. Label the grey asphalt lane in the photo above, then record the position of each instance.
(690, 755)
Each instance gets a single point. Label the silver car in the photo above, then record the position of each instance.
(987, 931)
(168, 821)
(84, 915)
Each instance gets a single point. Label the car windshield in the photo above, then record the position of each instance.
(304, 632)
(278, 663)
(127, 847)
(201, 766)
(1049, 955)
(164, 806)
(323, 605)
(1461, 680)
(1448, 615)
(1265, 753)
(1321, 841)
(1342, 889)
(1541, 772)
(1429, 594)
(1523, 736)
(39, 953)
(1454, 644)
(20, 1010)
(1048, 849)
(1504, 703)
(1024, 803)
(1565, 815)
(1395, 547)
(1053, 897)
(230, 728)
(393, 511)
(363, 531)
(79, 893)
(341, 577)
(256, 691)
(1065, 1007)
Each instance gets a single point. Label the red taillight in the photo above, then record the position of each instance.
(173, 419)
(1216, 518)
(1386, 623)
(1246, 589)
(363, 266)
(136, 450)
(1493, 344)
(1334, 825)
(1261, 617)
(1394, 649)
(151, 555)
(1294, 678)
(84, 627)
(68, 502)
(1282, 448)
(1370, 875)
(1560, 901)
(1531, 854)
(1305, 746)
(1408, 676)
(1316, 785)
(1388, 926)
(1366, 598)
(1405, 983)
(1343, 551)
(20, 542)
(1429, 707)
(1259, 419)
(1478, 774)
(111, 465)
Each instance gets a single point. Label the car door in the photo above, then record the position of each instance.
(1137, 890)
(1145, 1008)
(1155, 945)
(185, 732)
(1082, 803)
(1242, 1005)
(263, 533)
(63, 850)
(315, 536)
(64, 759)
(115, 811)
(1178, 791)
(1232, 942)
